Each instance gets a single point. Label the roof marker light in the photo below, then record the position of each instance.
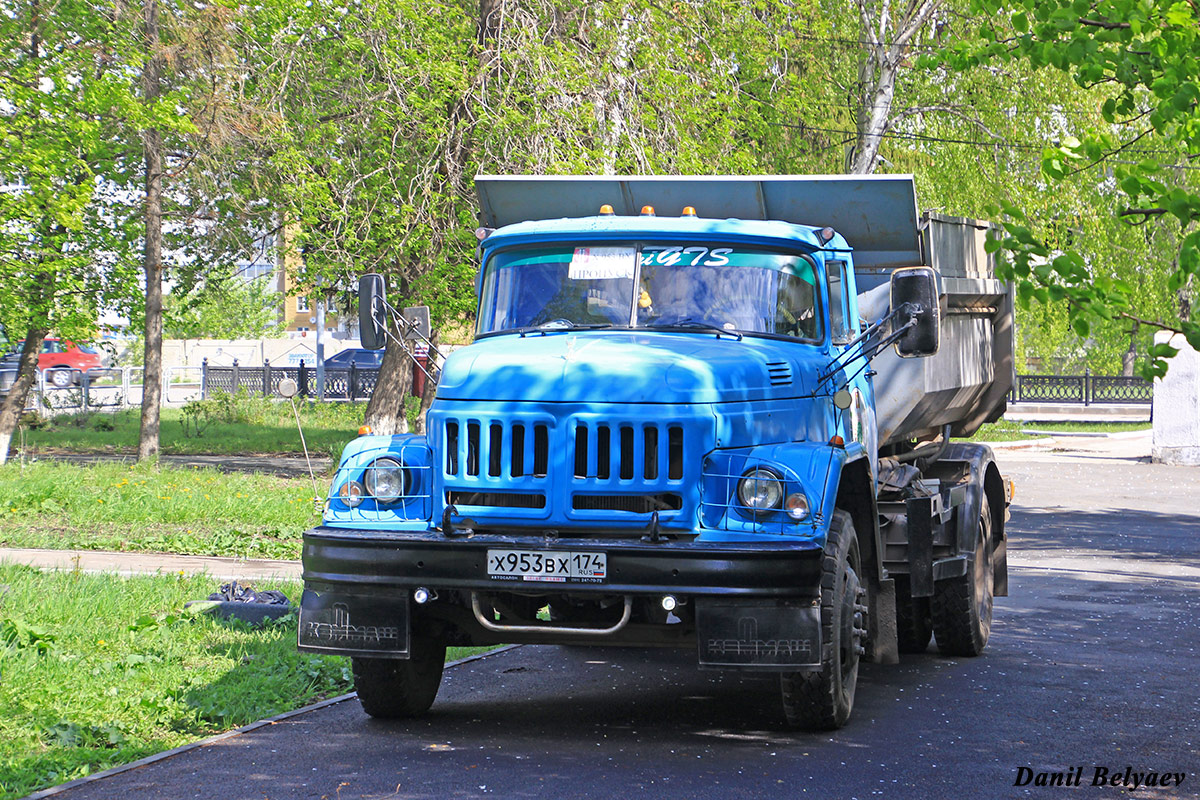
(365, 430)
(606, 210)
(647, 211)
(688, 211)
(825, 234)
(837, 441)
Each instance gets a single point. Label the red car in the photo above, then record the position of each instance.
(64, 360)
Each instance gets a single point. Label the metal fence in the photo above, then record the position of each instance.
(100, 388)
(353, 383)
(121, 387)
(1086, 389)
(358, 384)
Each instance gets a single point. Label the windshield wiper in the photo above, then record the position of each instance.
(691, 324)
(557, 325)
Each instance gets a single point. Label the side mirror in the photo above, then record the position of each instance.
(915, 295)
(372, 321)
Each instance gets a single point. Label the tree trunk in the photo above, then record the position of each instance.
(152, 256)
(873, 116)
(430, 388)
(887, 45)
(18, 393)
(610, 99)
(1129, 357)
(385, 412)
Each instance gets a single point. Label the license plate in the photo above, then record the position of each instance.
(548, 567)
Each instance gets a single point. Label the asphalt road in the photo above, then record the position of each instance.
(1092, 664)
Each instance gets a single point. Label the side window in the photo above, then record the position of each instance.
(795, 306)
(51, 347)
(842, 328)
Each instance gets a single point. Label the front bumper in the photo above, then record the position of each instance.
(380, 564)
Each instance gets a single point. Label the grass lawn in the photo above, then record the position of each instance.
(100, 671)
(1012, 431)
(143, 508)
(225, 426)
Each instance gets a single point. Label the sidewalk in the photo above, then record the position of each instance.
(288, 466)
(151, 564)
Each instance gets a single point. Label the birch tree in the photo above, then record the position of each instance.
(888, 34)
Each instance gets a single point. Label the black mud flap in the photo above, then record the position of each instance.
(767, 635)
(354, 625)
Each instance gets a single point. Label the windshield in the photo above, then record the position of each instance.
(743, 289)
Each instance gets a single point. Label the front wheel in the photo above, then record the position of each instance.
(822, 701)
(962, 606)
(390, 688)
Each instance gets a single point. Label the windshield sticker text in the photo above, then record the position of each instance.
(685, 256)
(601, 263)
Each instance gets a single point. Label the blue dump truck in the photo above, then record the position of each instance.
(711, 413)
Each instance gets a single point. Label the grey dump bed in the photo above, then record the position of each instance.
(967, 382)
(963, 386)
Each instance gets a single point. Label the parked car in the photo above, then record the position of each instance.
(337, 369)
(361, 358)
(61, 360)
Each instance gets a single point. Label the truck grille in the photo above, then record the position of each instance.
(644, 454)
(592, 469)
(528, 452)
(629, 503)
(497, 499)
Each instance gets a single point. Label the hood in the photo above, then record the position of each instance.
(629, 367)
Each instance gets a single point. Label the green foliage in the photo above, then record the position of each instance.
(1138, 58)
(17, 634)
(231, 308)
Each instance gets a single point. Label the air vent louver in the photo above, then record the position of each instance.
(780, 373)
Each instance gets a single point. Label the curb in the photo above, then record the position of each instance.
(1024, 444)
(253, 726)
(127, 564)
(1090, 435)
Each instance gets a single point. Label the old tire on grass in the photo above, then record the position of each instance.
(390, 688)
(962, 606)
(823, 700)
(914, 622)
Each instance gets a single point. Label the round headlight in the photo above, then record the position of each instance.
(386, 480)
(351, 493)
(760, 490)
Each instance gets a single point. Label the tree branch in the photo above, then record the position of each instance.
(1108, 26)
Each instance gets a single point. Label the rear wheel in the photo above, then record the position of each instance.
(962, 606)
(822, 701)
(390, 688)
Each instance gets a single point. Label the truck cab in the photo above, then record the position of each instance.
(664, 434)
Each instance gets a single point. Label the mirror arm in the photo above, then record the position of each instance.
(404, 323)
(410, 326)
(870, 352)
